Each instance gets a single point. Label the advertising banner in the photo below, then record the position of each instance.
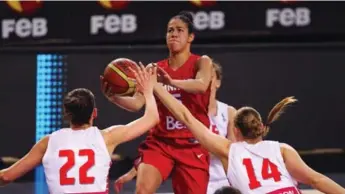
(135, 22)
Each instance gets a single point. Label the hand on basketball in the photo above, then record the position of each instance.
(105, 87)
(164, 77)
(145, 78)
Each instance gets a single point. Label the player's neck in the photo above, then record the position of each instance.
(80, 127)
(176, 60)
(253, 141)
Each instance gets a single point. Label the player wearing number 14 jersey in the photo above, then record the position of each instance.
(253, 166)
(77, 159)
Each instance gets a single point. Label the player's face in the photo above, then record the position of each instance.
(177, 37)
(215, 83)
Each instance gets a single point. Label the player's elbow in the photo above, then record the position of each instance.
(203, 88)
(200, 88)
(156, 119)
(316, 180)
(134, 108)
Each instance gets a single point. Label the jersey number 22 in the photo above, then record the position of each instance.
(83, 178)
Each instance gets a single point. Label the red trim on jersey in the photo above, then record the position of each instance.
(292, 190)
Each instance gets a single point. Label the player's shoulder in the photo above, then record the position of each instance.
(59, 132)
(232, 109)
(202, 57)
(203, 60)
(273, 146)
(285, 147)
(162, 63)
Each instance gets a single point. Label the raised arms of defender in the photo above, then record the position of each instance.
(113, 135)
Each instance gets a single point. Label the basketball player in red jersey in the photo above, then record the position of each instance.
(170, 148)
(77, 159)
(222, 123)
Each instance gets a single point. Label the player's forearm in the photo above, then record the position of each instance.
(326, 185)
(132, 104)
(151, 111)
(132, 172)
(191, 85)
(174, 106)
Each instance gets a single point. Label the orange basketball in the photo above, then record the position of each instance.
(119, 76)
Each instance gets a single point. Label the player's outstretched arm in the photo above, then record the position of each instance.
(115, 135)
(198, 85)
(216, 144)
(25, 164)
(300, 171)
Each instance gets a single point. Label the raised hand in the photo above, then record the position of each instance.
(145, 78)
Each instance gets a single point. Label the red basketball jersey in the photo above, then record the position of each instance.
(197, 104)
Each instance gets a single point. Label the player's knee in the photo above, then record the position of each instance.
(145, 185)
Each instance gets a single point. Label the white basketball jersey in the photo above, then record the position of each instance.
(259, 168)
(219, 125)
(77, 161)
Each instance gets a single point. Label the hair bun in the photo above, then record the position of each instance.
(186, 14)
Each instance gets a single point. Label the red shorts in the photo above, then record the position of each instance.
(185, 159)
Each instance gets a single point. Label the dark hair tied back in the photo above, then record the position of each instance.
(187, 18)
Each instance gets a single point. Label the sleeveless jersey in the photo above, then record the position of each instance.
(77, 161)
(259, 168)
(197, 104)
(219, 125)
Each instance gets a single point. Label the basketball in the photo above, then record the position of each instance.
(117, 74)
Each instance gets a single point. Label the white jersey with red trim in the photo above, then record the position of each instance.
(219, 125)
(77, 161)
(259, 168)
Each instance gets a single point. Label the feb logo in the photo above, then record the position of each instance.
(201, 3)
(24, 7)
(113, 5)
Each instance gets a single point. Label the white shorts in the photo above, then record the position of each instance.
(214, 185)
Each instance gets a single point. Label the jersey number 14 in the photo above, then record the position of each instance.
(269, 170)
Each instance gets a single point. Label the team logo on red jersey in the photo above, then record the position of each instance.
(24, 7)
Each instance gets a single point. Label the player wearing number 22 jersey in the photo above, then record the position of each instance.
(77, 159)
